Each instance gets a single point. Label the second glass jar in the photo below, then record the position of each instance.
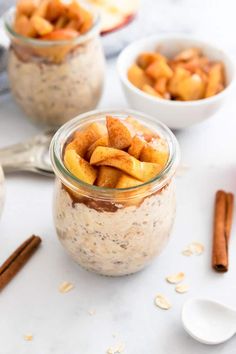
(53, 81)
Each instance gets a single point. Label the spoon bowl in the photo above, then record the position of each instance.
(208, 321)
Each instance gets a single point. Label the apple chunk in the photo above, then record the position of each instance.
(107, 156)
(159, 68)
(126, 181)
(83, 139)
(79, 167)
(141, 129)
(138, 77)
(107, 177)
(216, 80)
(136, 146)
(146, 58)
(155, 152)
(102, 153)
(191, 88)
(103, 141)
(120, 134)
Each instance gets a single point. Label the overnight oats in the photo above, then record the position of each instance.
(114, 202)
(56, 62)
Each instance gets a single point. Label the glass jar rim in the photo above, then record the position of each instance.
(7, 21)
(72, 182)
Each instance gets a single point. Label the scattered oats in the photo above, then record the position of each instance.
(182, 288)
(116, 349)
(92, 312)
(175, 278)
(182, 169)
(65, 287)
(197, 248)
(162, 302)
(187, 252)
(28, 337)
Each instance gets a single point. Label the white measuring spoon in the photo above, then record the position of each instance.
(208, 321)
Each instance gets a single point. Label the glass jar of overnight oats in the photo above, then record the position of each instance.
(113, 231)
(55, 80)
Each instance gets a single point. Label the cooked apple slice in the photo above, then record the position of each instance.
(60, 34)
(102, 153)
(83, 139)
(136, 146)
(156, 152)
(215, 81)
(188, 54)
(55, 9)
(179, 75)
(41, 25)
(126, 181)
(137, 76)
(107, 156)
(103, 141)
(159, 68)
(24, 26)
(191, 88)
(161, 85)
(119, 132)
(108, 177)
(26, 7)
(146, 58)
(79, 167)
(140, 129)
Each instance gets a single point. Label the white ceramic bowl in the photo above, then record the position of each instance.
(175, 114)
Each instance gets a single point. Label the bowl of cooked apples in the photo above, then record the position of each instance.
(180, 80)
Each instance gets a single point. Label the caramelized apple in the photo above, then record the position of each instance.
(138, 77)
(120, 134)
(126, 181)
(107, 177)
(79, 167)
(142, 171)
(136, 146)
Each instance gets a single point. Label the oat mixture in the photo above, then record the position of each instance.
(115, 243)
(56, 93)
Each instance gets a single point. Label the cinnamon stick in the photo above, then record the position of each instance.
(18, 259)
(222, 227)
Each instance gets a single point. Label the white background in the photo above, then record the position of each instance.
(61, 323)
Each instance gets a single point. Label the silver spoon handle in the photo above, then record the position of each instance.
(17, 157)
(28, 155)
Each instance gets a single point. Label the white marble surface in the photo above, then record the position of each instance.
(61, 323)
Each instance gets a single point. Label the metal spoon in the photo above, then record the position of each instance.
(31, 155)
(208, 321)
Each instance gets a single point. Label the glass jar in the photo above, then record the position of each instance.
(53, 81)
(2, 190)
(113, 231)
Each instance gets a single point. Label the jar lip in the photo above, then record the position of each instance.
(67, 178)
(7, 21)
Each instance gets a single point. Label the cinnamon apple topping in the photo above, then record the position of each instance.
(123, 154)
(189, 76)
(51, 19)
